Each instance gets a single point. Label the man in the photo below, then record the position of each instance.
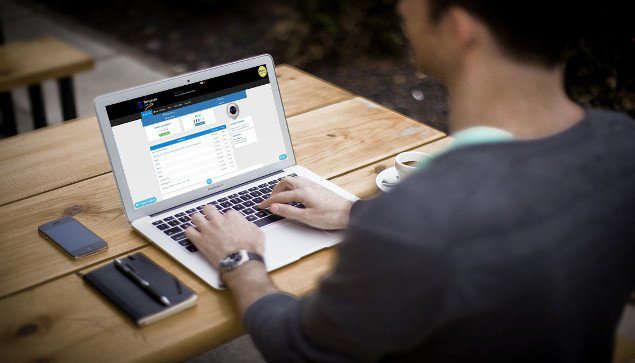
(517, 249)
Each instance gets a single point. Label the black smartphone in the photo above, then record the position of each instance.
(73, 237)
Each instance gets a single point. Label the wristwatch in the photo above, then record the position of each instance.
(233, 260)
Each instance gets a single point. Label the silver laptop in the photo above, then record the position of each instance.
(215, 137)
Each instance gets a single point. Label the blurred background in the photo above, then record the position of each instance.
(356, 44)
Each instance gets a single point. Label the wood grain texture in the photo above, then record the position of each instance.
(26, 62)
(335, 139)
(302, 92)
(74, 313)
(330, 140)
(32, 260)
(75, 323)
(49, 158)
(56, 156)
(28, 259)
(361, 182)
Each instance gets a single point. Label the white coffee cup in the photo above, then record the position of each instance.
(407, 162)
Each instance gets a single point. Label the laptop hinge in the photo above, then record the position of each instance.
(215, 193)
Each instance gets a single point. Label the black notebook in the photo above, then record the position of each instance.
(132, 299)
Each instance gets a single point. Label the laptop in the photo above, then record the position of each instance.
(216, 137)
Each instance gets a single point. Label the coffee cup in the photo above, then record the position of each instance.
(407, 162)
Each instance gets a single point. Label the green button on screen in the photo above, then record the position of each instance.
(164, 133)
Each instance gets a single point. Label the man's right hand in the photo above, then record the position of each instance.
(323, 208)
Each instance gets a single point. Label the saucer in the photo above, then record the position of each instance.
(388, 174)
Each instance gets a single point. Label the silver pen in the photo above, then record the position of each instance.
(145, 285)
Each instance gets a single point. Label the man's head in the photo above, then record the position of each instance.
(443, 32)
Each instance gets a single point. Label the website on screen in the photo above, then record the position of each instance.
(197, 135)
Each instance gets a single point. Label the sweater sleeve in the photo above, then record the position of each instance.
(382, 297)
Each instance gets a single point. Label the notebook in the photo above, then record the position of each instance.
(142, 308)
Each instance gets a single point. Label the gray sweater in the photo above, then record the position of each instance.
(514, 251)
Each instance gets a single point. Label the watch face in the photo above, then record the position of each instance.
(230, 260)
(235, 256)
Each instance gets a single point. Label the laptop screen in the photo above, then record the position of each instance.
(191, 137)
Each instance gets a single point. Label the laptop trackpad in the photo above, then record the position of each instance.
(288, 241)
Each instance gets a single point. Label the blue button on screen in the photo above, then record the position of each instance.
(143, 203)
(282, 156)
(209, 181)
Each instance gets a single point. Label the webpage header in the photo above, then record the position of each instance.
(120, 113)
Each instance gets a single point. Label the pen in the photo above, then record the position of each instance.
(145, 285)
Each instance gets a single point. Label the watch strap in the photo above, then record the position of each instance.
(238, 258)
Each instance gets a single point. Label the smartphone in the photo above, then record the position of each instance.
(73, 237)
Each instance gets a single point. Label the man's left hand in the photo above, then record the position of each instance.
(218, 235)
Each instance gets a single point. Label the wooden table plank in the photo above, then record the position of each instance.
(302, 92)
(75, 323)
(331, 141)
(361, 182)
(26, 62)
(353, 133)
(53, 157)
(31, 260)
(196, 336)
(28, 259)
(49, 158)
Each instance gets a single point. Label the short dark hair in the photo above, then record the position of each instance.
(539, 32)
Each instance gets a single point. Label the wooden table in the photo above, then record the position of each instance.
(48, 313)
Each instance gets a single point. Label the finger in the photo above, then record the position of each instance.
(286, 183)
(282, 197)
(199, 241)
(214, 217)
(200, 221)
(234, 214)
(193, 235)
(287, 211)
(281, 187)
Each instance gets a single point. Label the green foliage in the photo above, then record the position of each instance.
(599, 72)
(312, 30)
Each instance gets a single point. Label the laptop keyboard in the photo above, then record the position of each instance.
(244, 201)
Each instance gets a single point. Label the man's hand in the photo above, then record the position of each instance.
(218, 235)
(324, 209)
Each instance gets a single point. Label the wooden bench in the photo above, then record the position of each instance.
(27, 64)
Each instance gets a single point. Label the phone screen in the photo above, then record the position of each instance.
(72, 236)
